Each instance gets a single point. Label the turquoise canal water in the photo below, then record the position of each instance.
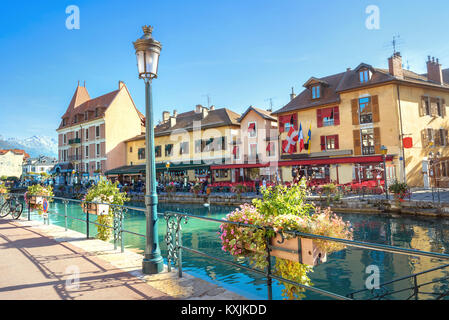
(344, 271)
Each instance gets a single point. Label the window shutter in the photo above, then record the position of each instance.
(319, 118)
(337, 146)
(443, 107)
(433, 107)
(282, 123)
(375, 101)
(323, 143)
(422, 108)
(355, 111)
(357, 147)
(336, 116)
(437, 136)
(446, 137)
(424, 140)
(377, 142)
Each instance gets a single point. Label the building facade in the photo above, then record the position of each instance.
(42, 164)
(92, 131)
(11, 162)
(355, 114)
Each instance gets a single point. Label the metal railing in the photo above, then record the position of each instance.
(175, 247)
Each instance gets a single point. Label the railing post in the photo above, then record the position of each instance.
(29, 207)
(415, 289)
(122, 241)
(269, 280)
(87, 224)
(179, 236)
(65, 214)
(115, 224)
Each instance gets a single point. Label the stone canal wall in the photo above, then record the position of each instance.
(354, 205)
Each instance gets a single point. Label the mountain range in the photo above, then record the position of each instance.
(34, 146)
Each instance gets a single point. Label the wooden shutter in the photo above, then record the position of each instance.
(357, 147)
(443, 108)
(424, 140)
(422, 107)
(319, 118)
(323, 143)
(355, 111)
(433, 107)
(377, 142)
(281, 123)
(375, 102)
(336, 116)
(337, 146)
(437, 137)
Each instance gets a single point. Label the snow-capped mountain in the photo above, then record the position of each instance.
(34, 146)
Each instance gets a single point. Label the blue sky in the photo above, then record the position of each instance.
(239, 52)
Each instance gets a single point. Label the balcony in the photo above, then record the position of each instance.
(74, 158)
(368, 150)
(74, 141)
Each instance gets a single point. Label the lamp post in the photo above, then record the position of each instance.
(384, 151)
(147, 52)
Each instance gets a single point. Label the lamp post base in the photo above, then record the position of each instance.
(152, 266)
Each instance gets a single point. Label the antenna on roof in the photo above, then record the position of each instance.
(271, 103)
(84, 83)
(208, 100)
(395, 44)
(78, 83)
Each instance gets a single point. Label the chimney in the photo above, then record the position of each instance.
(395, 65)
(212, 108)
(205, 112)
(165, 116)
(434, 71)
(198, 108)
(175, 113)
(172, 121)
(292, 95)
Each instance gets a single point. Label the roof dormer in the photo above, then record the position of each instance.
(316, 87)
(365, 72)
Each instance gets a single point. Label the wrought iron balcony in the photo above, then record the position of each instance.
(75, 141)
(74, 157)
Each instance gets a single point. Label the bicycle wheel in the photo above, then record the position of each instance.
(4, 209)
(17, 210)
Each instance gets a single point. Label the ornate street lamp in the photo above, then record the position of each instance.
(147, 52)
(384, 151)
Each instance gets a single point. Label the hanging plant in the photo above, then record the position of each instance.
(284, 209)
(97, 201)
(35, 195)
(400, 191)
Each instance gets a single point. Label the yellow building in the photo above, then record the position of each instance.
(186, 146)
(353, 114)
(11, 162)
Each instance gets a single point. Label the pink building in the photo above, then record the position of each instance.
(91, 133)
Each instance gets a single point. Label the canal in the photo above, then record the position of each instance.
(344, 271)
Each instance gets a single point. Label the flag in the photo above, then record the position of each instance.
(301, 138)
(289, 145)
(309, 138)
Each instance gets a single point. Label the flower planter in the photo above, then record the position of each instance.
(97, 209)
(36, 201)
(298, 249)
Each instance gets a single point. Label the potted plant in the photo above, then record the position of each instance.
(196, 188)
(97, 201)
(35, 196)
(400, 191)
(171, 189)
(282, 210)
(238, 190)
(329, 189)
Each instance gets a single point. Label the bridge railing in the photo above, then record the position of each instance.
(175, 247)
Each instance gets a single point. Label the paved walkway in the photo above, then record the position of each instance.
(44, 261)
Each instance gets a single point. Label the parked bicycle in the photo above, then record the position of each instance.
(11, 206)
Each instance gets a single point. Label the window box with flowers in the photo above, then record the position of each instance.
(34, 197)
(283, 210)
(98, 200)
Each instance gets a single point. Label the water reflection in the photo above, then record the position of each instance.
(343, 273)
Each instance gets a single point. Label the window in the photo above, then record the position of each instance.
(316, 92)
(271, 149)
(87, 152)
(141, 153)
(158, 151)
(367, 136)
(97, 131)
(130, 149)
(236, 152)
(87, 134)
(439, 110)
(96, 112)
(168, 150)
(365, 110)
(98, 165)
(364, 76)
(86, 115)
(76, 134)
(65, 139)
(184, 148)
(98, 149)
(252, 131)
(64, 122)
(198, 146)
(87, 167)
